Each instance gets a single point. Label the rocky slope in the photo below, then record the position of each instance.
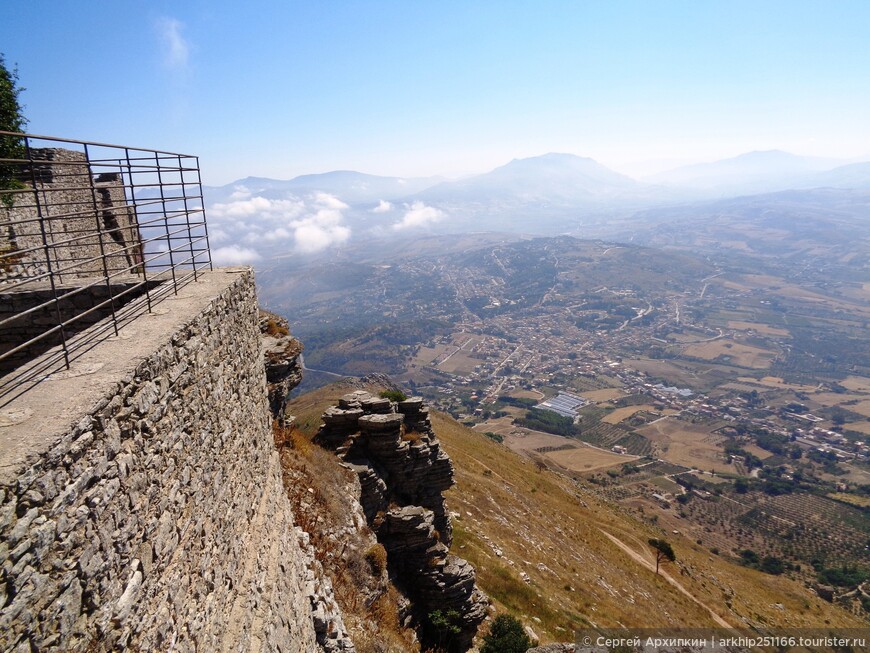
(403, 473)
(547, 550)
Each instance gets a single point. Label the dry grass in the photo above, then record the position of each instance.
(318, 488)
(551, 529)
(275, 329)
(588, 459)
(856, 383)
(690, 445)
(757, 327)
(616, 416)
(606, 394)
(737, 353)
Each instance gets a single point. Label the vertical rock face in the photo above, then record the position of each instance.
(281, 353)
(403, 473)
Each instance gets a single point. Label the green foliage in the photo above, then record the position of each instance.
(741, 485)
(548, 421)
(845, 576)
(506, 635)
(12, 120)
(772, 565)
(443, 629)
(663, 550)
(394, 395)
(495, 437)
(523, 402)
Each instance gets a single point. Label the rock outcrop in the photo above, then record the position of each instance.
(403, 473)
(281, 352)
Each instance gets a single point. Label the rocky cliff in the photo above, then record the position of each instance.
(402, 473)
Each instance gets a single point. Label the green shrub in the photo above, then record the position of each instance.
(394, 395)
(506, 635)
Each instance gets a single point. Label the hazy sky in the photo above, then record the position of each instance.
(416, 88)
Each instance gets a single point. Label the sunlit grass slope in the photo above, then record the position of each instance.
(548, 551)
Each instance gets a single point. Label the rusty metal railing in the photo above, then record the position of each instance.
(91, 236)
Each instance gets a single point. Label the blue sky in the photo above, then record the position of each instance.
(418, 88)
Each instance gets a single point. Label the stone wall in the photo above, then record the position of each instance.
(141, 502)
(34, 311)
(83, 216)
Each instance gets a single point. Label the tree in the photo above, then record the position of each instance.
(11, 120)
(663, 550)
(506, 635)
(444, 628)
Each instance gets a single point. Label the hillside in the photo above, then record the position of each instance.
(550, 552)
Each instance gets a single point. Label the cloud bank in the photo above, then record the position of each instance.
(248, 224)
(419, 215)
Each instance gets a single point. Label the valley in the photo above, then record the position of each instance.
(727, 404)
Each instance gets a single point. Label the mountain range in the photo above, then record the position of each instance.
(550, 194)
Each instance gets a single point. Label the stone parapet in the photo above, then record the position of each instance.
(141, 501)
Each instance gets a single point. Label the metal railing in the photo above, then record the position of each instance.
(91, 236)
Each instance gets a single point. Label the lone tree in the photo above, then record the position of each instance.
(11, 120)
(663, 550)
(506, 635)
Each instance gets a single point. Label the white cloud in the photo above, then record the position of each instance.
(240, 193)
(257, 206)
(307, 225)
(419, 215)
(328, 201)
(383, 207)
(234, 255)
(176, 50)
(312, 237)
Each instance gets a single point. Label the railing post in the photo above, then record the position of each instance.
(166, 222)
(204, 223)
(47, 249)
(187, 216)
(98, 221)
(132, 202)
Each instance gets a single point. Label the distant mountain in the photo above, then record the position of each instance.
(349, 186)
(750, 173)
(855, 176)
(550, 179)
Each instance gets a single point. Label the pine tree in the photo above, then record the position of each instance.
(11, 120)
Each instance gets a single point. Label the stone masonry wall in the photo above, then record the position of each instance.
(84, 216)
(157, 521)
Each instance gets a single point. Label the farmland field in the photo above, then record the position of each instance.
(856, 383)
(691, 445)
(737, 353)
(607, 394)
(757, 326)
(587, 459)
(616, 416)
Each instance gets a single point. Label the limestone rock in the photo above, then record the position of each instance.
(403, 473)
(281, 353)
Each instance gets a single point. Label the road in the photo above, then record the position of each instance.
(634, 555)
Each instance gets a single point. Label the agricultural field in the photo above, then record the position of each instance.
(601, 396)
(587, 459)
(734, 352)
(763, 329)
(690, 445)
(856, 383)
(776, 383)
(620, 414)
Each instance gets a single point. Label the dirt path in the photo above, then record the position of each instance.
(634, 555)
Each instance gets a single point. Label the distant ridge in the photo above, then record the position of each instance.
(752, 172)
(350, 186)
